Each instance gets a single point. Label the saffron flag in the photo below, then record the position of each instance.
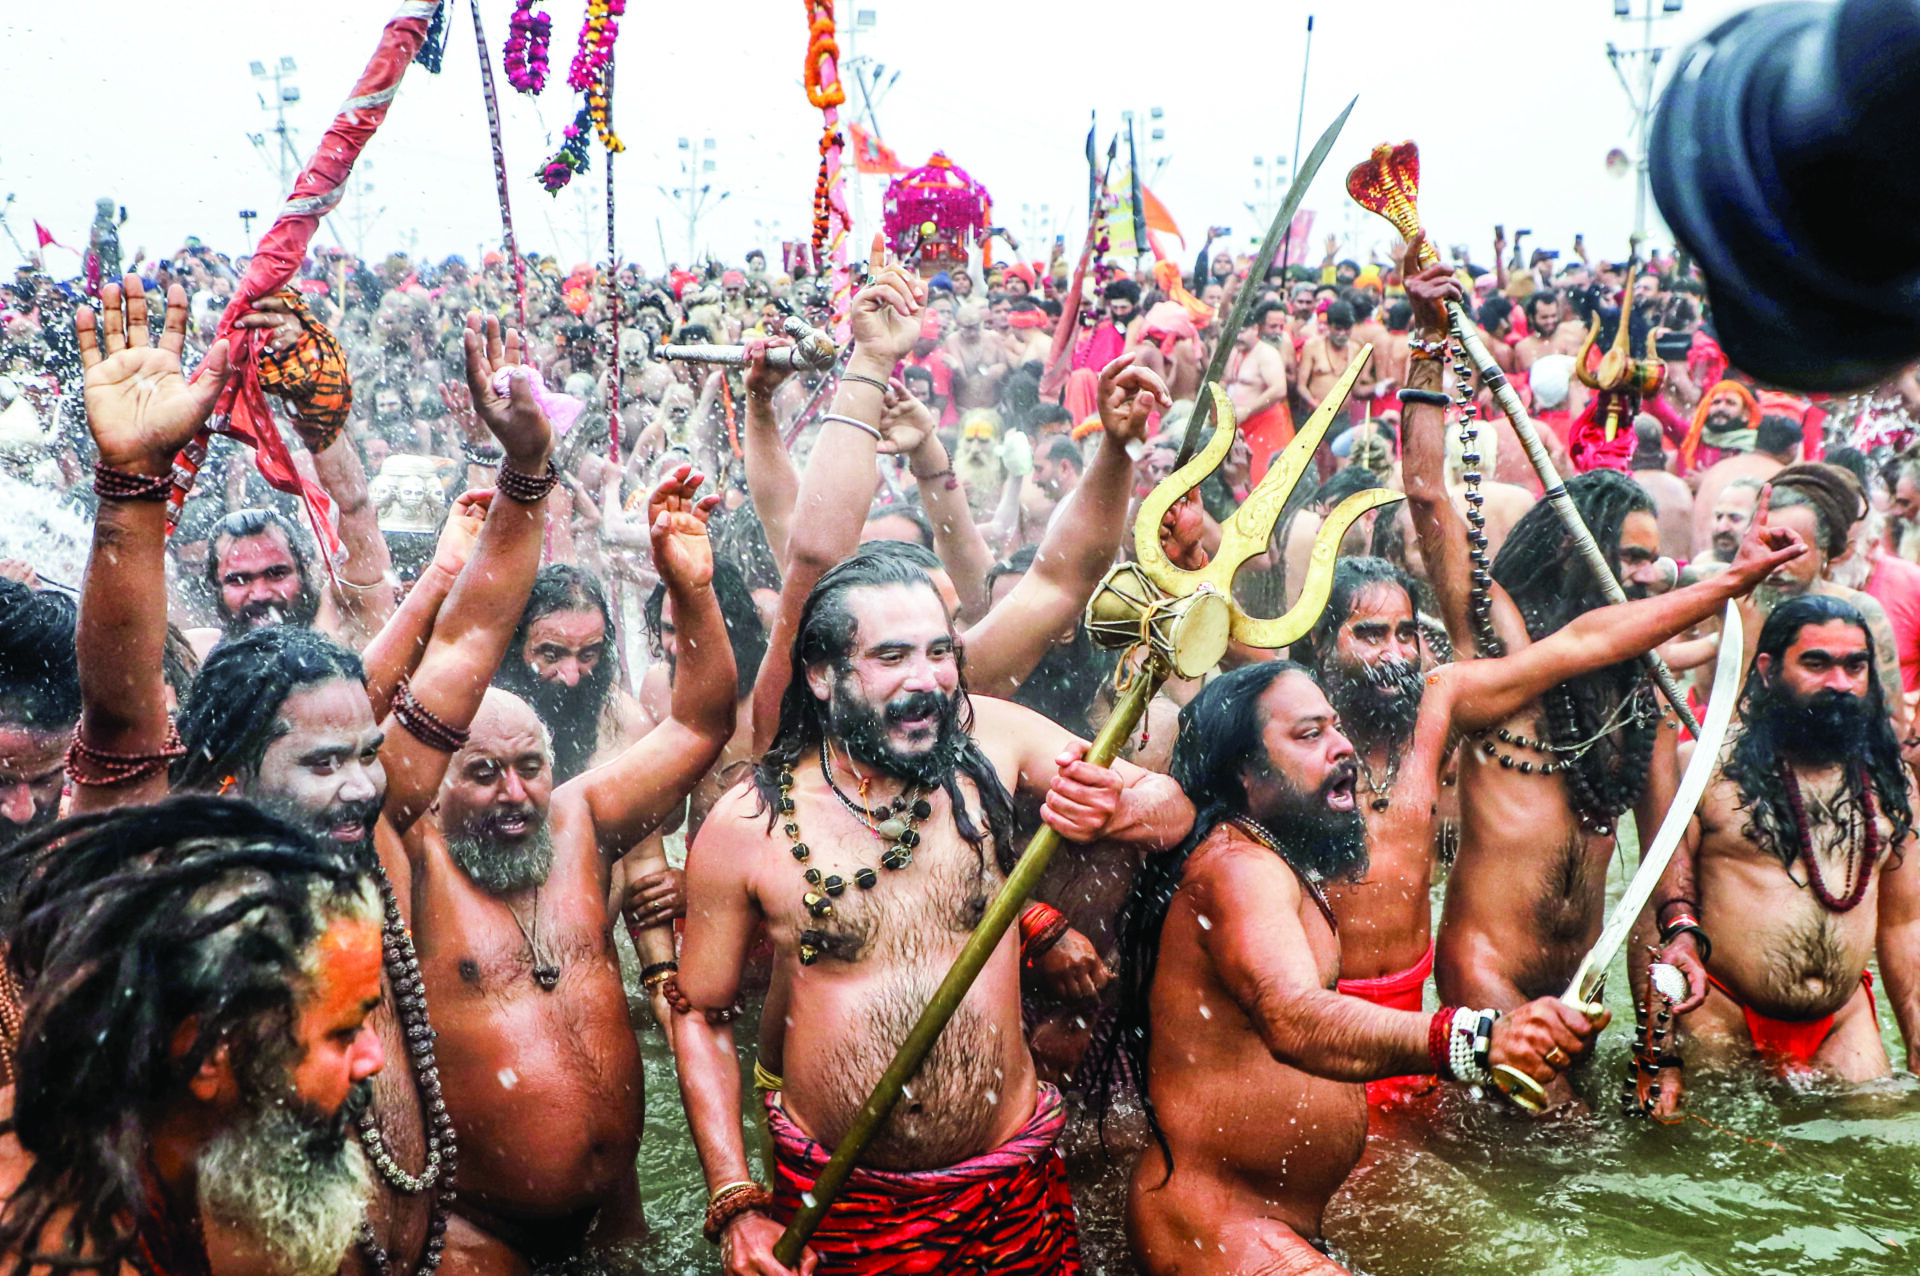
(871, 155)
(1158, 218)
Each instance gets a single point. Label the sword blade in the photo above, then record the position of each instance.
(1256, 280)
(1693, 785)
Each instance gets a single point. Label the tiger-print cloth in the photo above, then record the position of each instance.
(1007, 1211)
(311, 378)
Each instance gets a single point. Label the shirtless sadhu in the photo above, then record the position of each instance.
(285, 717)
(197, 1045)
(510, 879)
(1367, 653)
(1541, 795)
(875, 829)
(1256, 382)
(1799, 866)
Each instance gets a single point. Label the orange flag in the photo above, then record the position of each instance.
(870, 155)
(1158, 218)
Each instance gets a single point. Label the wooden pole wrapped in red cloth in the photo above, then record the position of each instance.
(242, 411)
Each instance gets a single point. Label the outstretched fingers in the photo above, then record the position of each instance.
(173, 328)
(138, 334)
(115, 319)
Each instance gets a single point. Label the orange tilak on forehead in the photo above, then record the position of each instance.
(346, 969)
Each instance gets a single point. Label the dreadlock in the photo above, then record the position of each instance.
(1753, 760)
(1220, 735)
(1534, 568)
(233, 712)
(127, 925)
(826, 637)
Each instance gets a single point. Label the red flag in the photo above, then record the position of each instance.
(46, 236)
(870, 155)
(1297, 236)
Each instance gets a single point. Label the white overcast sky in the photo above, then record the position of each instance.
(1512, 101)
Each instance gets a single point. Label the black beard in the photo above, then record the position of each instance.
(321, 823)
(571, 714)
(1377, 703)
(861, 729)
(1313, 837)
(1826, 727)
(500, 865)
(299, 612)
(1722, 421)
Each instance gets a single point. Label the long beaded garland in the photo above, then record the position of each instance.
(529, 35)
(1860, 861)
(897, 826)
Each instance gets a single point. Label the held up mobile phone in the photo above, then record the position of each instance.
(1499, 231)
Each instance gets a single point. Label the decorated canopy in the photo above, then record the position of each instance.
(935, 213)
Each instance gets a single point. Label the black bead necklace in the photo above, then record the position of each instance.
(896, 825)
(410, 1006)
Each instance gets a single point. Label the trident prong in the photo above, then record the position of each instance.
(1250, 529)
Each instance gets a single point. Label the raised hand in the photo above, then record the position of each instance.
(1429, 288)
(886, 317)
(514, 417)
(140, 407)
(677, 524)
(905, 422)
(1083, 801)
(1128, 396)
(763, 379)
(462, 528)
(459, 403)
(1763, 548)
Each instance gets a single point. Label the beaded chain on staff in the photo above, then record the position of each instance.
(492, 99)
(613, 279)
(1484, 639)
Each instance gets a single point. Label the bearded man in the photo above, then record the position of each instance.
(564, 660)
(539, 1062)
(1540, 796)
(1798, 867)
(1229, 960)
(287, 718)
(198, 979)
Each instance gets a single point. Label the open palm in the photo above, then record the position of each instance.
(677, 519)
(140, 407)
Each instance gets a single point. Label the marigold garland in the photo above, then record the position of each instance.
(525, 54)
(596, 43)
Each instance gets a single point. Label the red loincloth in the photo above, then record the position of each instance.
(1266, 432)
(1782, 1042)
(1007, 1211)
(1405, 990)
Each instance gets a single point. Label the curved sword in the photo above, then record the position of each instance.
(1589, 979)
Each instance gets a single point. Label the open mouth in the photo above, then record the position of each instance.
(1340, 794)
(512, 824)
(349, 831)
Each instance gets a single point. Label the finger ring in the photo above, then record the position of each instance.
(1558, 1057)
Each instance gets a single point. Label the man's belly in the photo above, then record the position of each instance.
(1386, 921)
(545, 1091)
(975, 1090)
(1775, 948)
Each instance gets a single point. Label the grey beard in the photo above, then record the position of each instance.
(1770, 596)
(503, 868)
(295, 1191)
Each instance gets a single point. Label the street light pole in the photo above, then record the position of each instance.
(1641, 99)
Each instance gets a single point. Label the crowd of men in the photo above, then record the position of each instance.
(323, 829)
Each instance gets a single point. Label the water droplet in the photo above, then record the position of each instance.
(1206, 923)
(508, 1078)
(1204, 1012)
(993, 1097)
(806, 1199)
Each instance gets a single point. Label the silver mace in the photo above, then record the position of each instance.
(812, 350)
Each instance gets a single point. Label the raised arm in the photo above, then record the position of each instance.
(772, 480)
(909, 427)
(837, 488)
(1119, 802)
(477, 621)
(395, 651)
(1442, 532)
(141, 411)
(1481, 693)
(1079, 545)
(628, 796)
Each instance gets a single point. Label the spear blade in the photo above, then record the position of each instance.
(1262, 262)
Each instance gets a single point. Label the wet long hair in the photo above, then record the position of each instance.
(826, 636)
(746, 632)
(1220, 737)
(1753, 759)
(128, 924)
(39, 679)
(1351, 578)
(1550, 583)
(232, 713)
(1064, 682)
(562, 587)
(246, 523)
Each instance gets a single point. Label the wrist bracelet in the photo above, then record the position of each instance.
(730, 1202)
(656, 972)
(1483, 1045)
(1680, 902)
(525, 488)
(1687, 924)
(1439, 1031)
(1427, 347)
(855, 423)
(110, 484)
(864, 379)
(1427, 398)
(937, 474)
(422, 723)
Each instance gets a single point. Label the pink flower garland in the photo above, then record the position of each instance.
(596, 42)
(525, 55)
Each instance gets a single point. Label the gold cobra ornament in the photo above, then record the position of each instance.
(1250, 529)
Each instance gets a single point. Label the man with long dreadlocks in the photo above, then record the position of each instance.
(1230, 1009)
(290, 720)
(198, 978)
(875, 829)
(1542, 793)
(1799, 866)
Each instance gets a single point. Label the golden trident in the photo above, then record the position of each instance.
(1180, 622)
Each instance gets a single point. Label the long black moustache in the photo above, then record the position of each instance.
(917, 704)
(1381, 705)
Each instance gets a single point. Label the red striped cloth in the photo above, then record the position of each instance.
(1007, 1211)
